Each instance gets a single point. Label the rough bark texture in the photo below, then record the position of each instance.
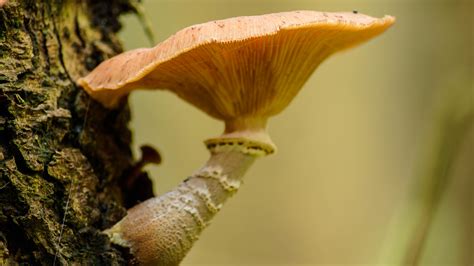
(61, 153)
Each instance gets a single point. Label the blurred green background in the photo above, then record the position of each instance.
(358, 147)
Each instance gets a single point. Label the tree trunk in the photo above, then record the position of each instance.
(61, 154)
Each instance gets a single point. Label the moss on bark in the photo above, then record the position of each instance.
(60, 152)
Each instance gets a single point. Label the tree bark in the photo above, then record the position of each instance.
(61, 153)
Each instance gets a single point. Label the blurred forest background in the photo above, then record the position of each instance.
(375, 162)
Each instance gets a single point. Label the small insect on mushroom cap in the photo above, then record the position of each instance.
(237, 67)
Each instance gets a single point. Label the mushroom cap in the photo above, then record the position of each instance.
(150, 154)
(238, 67)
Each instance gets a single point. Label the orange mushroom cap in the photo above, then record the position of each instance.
(238, 67)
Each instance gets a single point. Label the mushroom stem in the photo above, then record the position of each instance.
(161, 230)
(249, 134)
(249, 123)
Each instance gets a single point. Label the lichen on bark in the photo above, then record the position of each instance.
(61, 153)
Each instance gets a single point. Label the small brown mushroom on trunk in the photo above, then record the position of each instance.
(240, 70)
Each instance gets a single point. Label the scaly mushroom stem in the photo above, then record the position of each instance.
(161, 230)
(248, 133)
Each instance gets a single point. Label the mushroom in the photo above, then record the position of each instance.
(135, 184)
(149, 156)
(242, 71)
